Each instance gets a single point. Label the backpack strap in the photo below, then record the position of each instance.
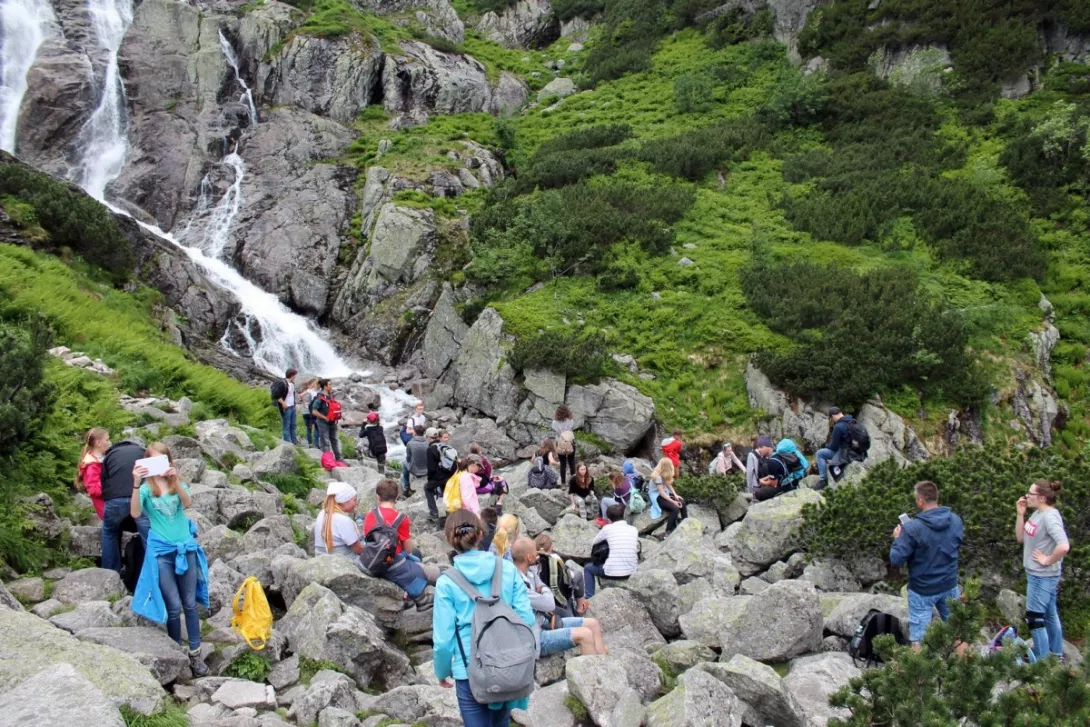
(462, 582)
(497, 579)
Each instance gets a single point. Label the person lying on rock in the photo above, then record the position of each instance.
(406, 571)
(555, 634)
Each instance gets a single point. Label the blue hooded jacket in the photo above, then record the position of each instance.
(929, 544)
(452, 616)
(147, 600)
(787, 446)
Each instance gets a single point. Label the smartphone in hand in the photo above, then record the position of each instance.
(904, 518)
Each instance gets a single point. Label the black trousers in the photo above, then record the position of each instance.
(673, 513)
(566, 461)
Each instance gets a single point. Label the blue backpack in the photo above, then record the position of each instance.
(1008, 638)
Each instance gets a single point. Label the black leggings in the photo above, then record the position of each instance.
(568, 461)
(672, 512)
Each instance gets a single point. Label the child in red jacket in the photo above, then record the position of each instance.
(671, 449)
(89, 469)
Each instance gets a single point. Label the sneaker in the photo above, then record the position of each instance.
(197, 665)
(425, 601)
(409, 492)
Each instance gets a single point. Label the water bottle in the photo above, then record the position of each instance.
(359, 524)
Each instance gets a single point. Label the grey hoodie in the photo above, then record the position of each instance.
(416, 456)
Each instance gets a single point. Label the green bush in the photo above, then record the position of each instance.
(26, 398)
(857, 334)
(718, 491)
(249, 665)
(570, 9)
(1050, 158)
(693, 154)
(173, 715)
(71, 218)
(738, 26)
(980, 485)
(693, 93)
(934, 686)
(572, 353)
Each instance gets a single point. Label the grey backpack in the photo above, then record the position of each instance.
(504, 648)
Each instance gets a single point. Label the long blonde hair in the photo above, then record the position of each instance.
(330, 508)
(89, 441)
(665, 470)
(507, 529)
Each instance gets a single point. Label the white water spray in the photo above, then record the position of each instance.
(103, 140)
(22, 32)
(247, 96)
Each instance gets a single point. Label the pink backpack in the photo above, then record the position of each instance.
(328, 462)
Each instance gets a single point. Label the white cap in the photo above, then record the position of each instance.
(342, 491)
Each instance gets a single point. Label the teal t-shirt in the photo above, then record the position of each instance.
(167, 516)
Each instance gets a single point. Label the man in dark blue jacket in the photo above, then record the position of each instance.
(839, 446)
(929, 545)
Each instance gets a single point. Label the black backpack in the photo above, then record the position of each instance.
(599, 552)
(860, 439)
(380, 545)
(132, 562)
(875, 623)
(278, 390)
(541, 475)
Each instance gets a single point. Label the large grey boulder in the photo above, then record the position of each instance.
(421, 81)
(263, 28)
(444, 334)
(58, 695)
(89, 614)
(556, 89)
(813, 679)
(572, 537)
(527, 23)
(218, 437)
(419, 703)
(548, 707)
(28, 589)
(683, 654)
(268, 534)
(223, 583)
(342, 576)
(830, 576)
(768, 530)
(550, 504)
(89, 584)
(8, 601)
(625, 621)
(241, 693)
(598, 682)
(658, 591)
(153, 648)
(401, 244)
(688, 554)
(326, 689)
(320, 627)
(277, 461)
(616, 412)
(332, 77)
(761, 690)
(497, 445)
(483, 381)
(843, 611)
(699, 700)
(739, 625)
(438, 17)
(121, 677)
(890, 437)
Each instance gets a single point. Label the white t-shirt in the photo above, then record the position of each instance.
(345, 534)
(289, 398)
(417, 420)
(624, 548)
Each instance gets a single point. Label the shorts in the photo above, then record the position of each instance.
(559, 640)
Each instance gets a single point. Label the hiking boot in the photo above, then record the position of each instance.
(425, 601)
(408, 492)
(197, 665)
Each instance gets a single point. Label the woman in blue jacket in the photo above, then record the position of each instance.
(452, 619)
(175, 572)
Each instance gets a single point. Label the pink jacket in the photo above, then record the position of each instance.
(467, 484)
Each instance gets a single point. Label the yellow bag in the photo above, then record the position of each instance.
(253, 618)
(452, 494)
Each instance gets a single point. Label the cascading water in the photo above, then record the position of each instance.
(247, 96)
(103, 140)
(22, 31)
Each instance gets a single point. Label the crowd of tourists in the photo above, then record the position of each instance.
(507, 599)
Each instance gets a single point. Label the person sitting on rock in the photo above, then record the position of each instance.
(581, 492)
(838, 451)
(507, 532)
(624, 550)
(664, 497)
(621, 494)
(571, 599)
(174, 578)
(542, 476)
(406, 571)
(726, 462)
(757, 475)
(373, 441)
(489, 485)
(554, 633)
(489, 520)
(452, 619)
(787, 466)
(335, 530)
(468, 479)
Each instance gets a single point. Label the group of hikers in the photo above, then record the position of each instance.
(506, 598)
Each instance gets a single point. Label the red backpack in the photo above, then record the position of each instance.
(333, 410)
(329, 462)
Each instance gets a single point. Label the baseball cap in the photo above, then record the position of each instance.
(372, 417)
(764, 441)
(833, 411)
(432, 433)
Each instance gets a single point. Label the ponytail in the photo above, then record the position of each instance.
(506, 531)
(330, 508)
(89, 440)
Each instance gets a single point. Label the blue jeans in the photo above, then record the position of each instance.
(287, 422)
(312, 429)
(556, 641)
(920, 610)
(590, 570)
(1041, 595)
(475, 714)
(823, 456)
(404, 476)
(114, 514)
(180, 594)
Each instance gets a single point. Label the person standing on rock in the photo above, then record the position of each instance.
(328, 412)
(929, 545)
(624, 550)
(117, 491)
(310, 391)
(415, 421)
(555, 634)
(174, 578)
(283, 395)
(407, 571)
(664, 497)
(1044, 545)
(89, 469)
(452, 618)
(564, 428)
(671, 448)
(415, 469)
(439, 470)
(468, 479)
(335, 531)
(372, 434)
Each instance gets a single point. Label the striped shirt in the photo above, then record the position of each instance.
(624, 548)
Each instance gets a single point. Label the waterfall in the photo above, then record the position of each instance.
(216, 220)
(247, 96)
(22, 31)
(103, 141)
